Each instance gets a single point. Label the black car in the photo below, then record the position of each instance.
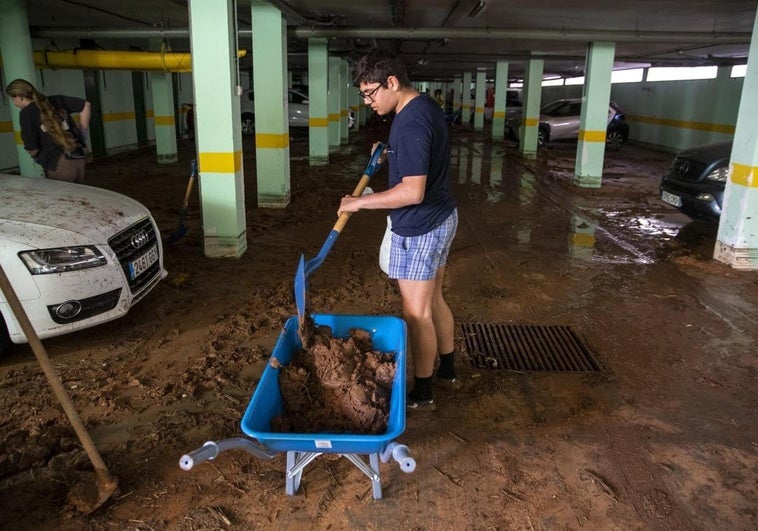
(696, 180)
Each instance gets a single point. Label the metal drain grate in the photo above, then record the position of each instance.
(527, 348)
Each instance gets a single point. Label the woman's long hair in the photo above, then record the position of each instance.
(51, 119)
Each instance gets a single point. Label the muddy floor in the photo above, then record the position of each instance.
(663, 437)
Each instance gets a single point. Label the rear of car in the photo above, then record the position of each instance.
(76, 256)
(696, 180)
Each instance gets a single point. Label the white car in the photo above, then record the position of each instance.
(76, 256)
(297, 106)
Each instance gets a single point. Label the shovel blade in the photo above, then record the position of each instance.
(300, 287)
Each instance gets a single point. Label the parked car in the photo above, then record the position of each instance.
(76, 256)
(695, 181)
(560, 121)
(297, 106)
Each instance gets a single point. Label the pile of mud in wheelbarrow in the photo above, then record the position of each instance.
(334, 384)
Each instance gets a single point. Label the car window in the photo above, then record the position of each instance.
(575, 109)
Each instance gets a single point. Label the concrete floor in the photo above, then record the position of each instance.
(663, 438)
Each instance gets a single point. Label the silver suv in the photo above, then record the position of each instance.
(560, 120)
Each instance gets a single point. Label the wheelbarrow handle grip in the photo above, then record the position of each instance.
(373, 165)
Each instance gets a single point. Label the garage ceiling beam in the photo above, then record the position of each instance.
(303, 32)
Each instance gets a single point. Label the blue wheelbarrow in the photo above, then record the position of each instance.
(388, 334)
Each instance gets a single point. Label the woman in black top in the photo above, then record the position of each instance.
(50, 135)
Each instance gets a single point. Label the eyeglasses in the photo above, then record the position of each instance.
(370, 95)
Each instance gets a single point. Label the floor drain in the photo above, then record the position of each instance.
(527, 348)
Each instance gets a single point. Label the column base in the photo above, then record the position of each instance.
(738, 258)
(225, 246)
(588, 181)
(274, 201)
(318, 160)
(168, 158)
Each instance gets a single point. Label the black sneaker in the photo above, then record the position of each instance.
(419, 400)
(421, 405)
(450, 382)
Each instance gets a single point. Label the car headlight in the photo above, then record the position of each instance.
(718, 175)
(44, 261)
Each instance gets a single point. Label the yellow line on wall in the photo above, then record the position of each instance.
(272, 140)
(6, 127)
(164, 120)
(224, 162)
(149, 113)
(118, 116)
(591, 136)
(318, 122)
(498, 114)
(531, 122)
(744, 175)
(17, 138)
(682, 124)
(334, 117)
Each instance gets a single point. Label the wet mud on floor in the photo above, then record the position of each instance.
(663, 438)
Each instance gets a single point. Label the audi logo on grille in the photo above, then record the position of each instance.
(139, 239)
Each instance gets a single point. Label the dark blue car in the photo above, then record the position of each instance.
(696, 180)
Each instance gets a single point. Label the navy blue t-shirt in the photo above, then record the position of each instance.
(419, 145)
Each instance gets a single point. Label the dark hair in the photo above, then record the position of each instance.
(376, 66)
(50, 116)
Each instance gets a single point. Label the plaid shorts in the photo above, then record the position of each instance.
(419, 257)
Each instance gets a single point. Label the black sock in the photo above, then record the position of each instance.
(422, 389)
(447, 366)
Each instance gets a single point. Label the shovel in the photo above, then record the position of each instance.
(106, 485)
(305, 268)
(181, 230)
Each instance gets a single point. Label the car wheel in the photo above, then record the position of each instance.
(248, 124)
(541, 137)
(614, 139)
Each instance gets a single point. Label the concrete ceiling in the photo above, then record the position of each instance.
(440, 38)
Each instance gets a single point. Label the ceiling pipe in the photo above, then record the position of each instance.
(116, 60)
(303, 32)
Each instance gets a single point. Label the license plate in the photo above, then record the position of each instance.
(141, 264)
(671, 199)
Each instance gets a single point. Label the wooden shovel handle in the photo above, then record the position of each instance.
(342, 220)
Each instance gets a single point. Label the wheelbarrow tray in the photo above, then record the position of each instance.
(388, 334)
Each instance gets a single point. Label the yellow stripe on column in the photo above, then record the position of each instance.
(334, 117)
(531, 122)
(220, 162)
(744, 175)
(498, 114)
(272, 140)
(149, 113)
(6, 127)
(318, 122)
(344, 113)
(164, 120)
(592, 136)
(479, 109)
(118, 116)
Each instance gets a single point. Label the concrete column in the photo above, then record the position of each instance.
(596, 95)
(344, 106)
(481, 87)
(530, 112)
(333, 103)
(18, 63)
(352, 99)
(272, 138)
(457, 93)
(501, 91)
(163, 117)
(318, 115)
(217, 117)
(466, 98)
(737, 238)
